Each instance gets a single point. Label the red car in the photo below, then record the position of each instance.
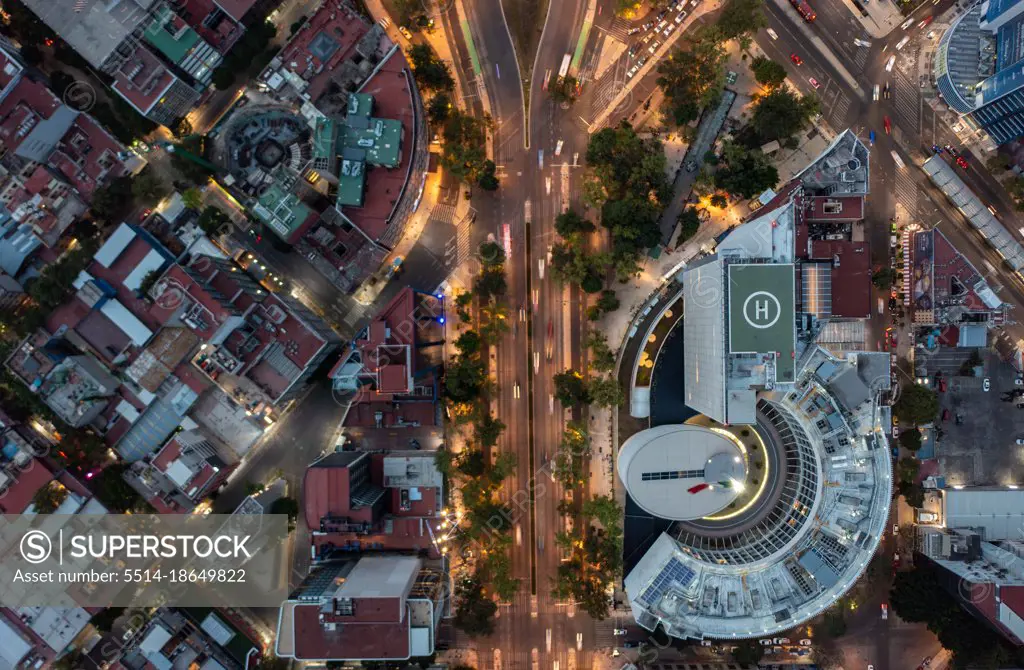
(796, 59)
(888, 125)
(962, 162)
(814, 83)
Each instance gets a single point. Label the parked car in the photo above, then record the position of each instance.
(986, 384)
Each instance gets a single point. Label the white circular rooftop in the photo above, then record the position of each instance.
(681, 472)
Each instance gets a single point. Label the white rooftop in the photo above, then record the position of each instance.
(739, 594)
(659, 465)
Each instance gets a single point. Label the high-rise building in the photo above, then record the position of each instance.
(978, 68)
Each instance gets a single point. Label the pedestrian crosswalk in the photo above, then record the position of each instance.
(906, 103)
(456, 250)
(906, 191)
(443, 213)
(355, 313)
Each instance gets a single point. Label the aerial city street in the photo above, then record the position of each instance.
(537, 334)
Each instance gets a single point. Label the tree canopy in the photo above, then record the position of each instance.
(692, 78)
(745, 172)
(570, 389)
(781, 114)
(464, 152)
(916, 405)
(431, 72)
(918, 596)
(570, 223)
(767, 72)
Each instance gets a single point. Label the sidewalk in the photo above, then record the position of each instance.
(882, 15)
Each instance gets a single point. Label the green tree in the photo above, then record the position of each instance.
(47, 499)
(193, 199)
(439, 107)
(689, 223)
(147, 283)
(464, 379)
(782, 113)
(468, 343)
(570, 389)
(431, 72)
(488, 429)
(740, 18)
(633, 224)
(606, 510)
(248, 55)
(720, 201)
(624, 164)
(287, 506)
(884, 278)
(916, 405)
(488, 179)
(918, 596)
(608, 302)
(190, 170)
(562, 89)
(490, 283)
(212, 220)
(570, 223)
(115, 493)
(602, 357)
(692, 78)
(474, 614)
(745, 172)
(911, 439)
(907, 469)
(605, 392)
(492, 255)
(767, 72)
(147, 188)
(464, 152)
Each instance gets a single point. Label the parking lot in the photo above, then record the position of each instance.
(980, 449)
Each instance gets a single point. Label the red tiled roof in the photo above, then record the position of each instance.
(393, 378)
(86, 170)
(392, 99)
(147, 84)
(851, 278)
(223, 34)
(16, 498)
(781, 198)
(351, 640)
(28, 103)
(170, 451)
(325, 491)
(337, 23)
(851, 208)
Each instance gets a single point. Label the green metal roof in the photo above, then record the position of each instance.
(174, 46)
(351, 183)
(282, 211)
(762, 317)
(380, 138)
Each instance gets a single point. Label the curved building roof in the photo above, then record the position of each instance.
(811, 537)
(958, 61)
(659, 467)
